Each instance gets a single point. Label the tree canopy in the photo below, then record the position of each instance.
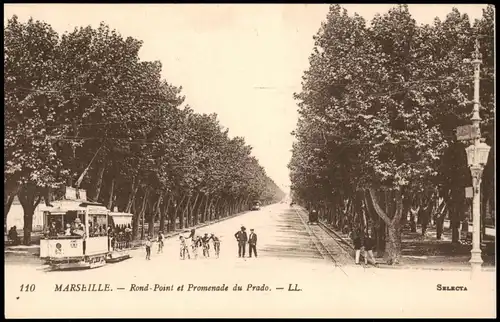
(378, 109)
(82, 109)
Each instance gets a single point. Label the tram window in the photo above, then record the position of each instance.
(54, 224)
(97, 225)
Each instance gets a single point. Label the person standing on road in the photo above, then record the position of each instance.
(160, 242)
(252, 243)
(206, 246)
(216, 242)
(368, 244)
(183, 248)
(355, 236)
(242, 238)
(148, 248)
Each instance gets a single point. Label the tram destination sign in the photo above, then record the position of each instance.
(466, 132)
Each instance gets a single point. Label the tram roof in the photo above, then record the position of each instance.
(120, 214)
(71, 205)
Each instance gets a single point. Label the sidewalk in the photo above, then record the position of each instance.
(425, 253)
(412, 257)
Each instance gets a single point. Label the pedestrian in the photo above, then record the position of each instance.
(252, 243)
(242, 238)
(183, 248)
(206, 246)
(368, 244)
(216, 242)
(148, 248)
(195, 244)
(355, 236)
(13, 235)
(160, 242)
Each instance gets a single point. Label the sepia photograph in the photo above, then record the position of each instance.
(249, 161)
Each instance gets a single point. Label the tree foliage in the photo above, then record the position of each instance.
(378, 109)
(82, 109)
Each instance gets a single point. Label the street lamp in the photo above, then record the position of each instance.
(477, 156)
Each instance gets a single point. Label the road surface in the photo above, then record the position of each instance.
(300, 272)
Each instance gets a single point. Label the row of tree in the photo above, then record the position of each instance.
(378, 109)
(82, 110)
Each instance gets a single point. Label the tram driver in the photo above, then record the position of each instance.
(53, 229)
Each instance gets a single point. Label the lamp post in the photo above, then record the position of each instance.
(477, 156)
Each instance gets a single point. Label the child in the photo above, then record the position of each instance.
(206, 245)
(148, 248)
(216, 242)
(160, 242)
(184, 248)
(195, 243)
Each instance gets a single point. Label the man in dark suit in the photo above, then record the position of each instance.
(242, 238)
(252, 242)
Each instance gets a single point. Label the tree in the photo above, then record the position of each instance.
(29, 78)
(378, 108)
(100, 119)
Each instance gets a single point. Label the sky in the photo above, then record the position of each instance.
(241, 61)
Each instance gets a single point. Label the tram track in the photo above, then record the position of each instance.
(329, 251)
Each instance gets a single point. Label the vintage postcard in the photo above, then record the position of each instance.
(249, 160)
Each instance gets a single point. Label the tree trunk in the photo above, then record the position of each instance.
(133, 193)
(155, 211)
(214, 209)
(393, 243)
(96, 188)
(8, 200)
(413, 219)
(183, 213)
(456, 212)
(178, 213)
(424, 217)
(194, 210)
(440, 220)
(245, 204)
(208, 202)
(164, 214)
(393, 225)
(111, 195)
(138, 215)
(29, 198)
(135, 221)
(142, 213)
(219, 210)
(407, 201)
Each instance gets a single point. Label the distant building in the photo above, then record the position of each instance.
(15, 217)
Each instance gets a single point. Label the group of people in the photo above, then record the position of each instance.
(363, 241)
(120, 237)
(75, 229)
(13, 236)
(242, 238)
(190, 246)
(197, 242)
(149, 244)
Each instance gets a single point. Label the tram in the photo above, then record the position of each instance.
(75, 235)
(313, 217)
(255, 205)
(120, 236)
